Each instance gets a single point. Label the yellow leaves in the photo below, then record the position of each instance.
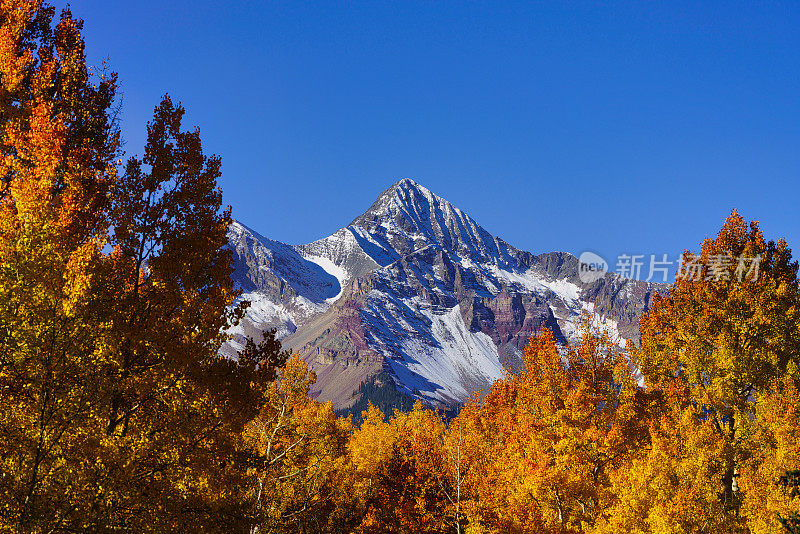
(372, 443)
(555, 432)
(722, 342)
(776, 450)
(661, 489)
(721, 331)
(13, 61)
(109, 356)
(412, 473)
(78, 276)
(301, 453)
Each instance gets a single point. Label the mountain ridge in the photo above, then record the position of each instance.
(415, 289)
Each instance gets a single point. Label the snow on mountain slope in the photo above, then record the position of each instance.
(567, 292)
(341, 274)
(308, 280)
(283, 286)
(416, 288)
(432, 353)
(345, 250)
(262, 314)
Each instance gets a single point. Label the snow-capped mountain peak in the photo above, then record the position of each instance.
(417, 289)
(408, 217)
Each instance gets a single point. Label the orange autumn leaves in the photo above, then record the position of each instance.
(734, 346)
(117, 413)
(552, 434)
(56, 170)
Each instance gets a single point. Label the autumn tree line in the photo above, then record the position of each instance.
(118, 415)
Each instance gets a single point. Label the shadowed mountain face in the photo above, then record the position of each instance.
(416, 293)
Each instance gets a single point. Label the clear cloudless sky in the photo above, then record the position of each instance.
(617, 127)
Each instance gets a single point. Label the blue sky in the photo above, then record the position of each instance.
(616, 127)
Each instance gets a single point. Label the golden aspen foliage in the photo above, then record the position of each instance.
(556, 432)
(116, 411)
(370, 447)
(672, 485)
(406, 466)
(726, 335)
(776, 452)
(372, 443)
(56, 175)
(296, 482)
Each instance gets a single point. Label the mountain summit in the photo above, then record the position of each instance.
(408, 217)
(415, 300)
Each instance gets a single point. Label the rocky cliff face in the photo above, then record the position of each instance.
(416, 290)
